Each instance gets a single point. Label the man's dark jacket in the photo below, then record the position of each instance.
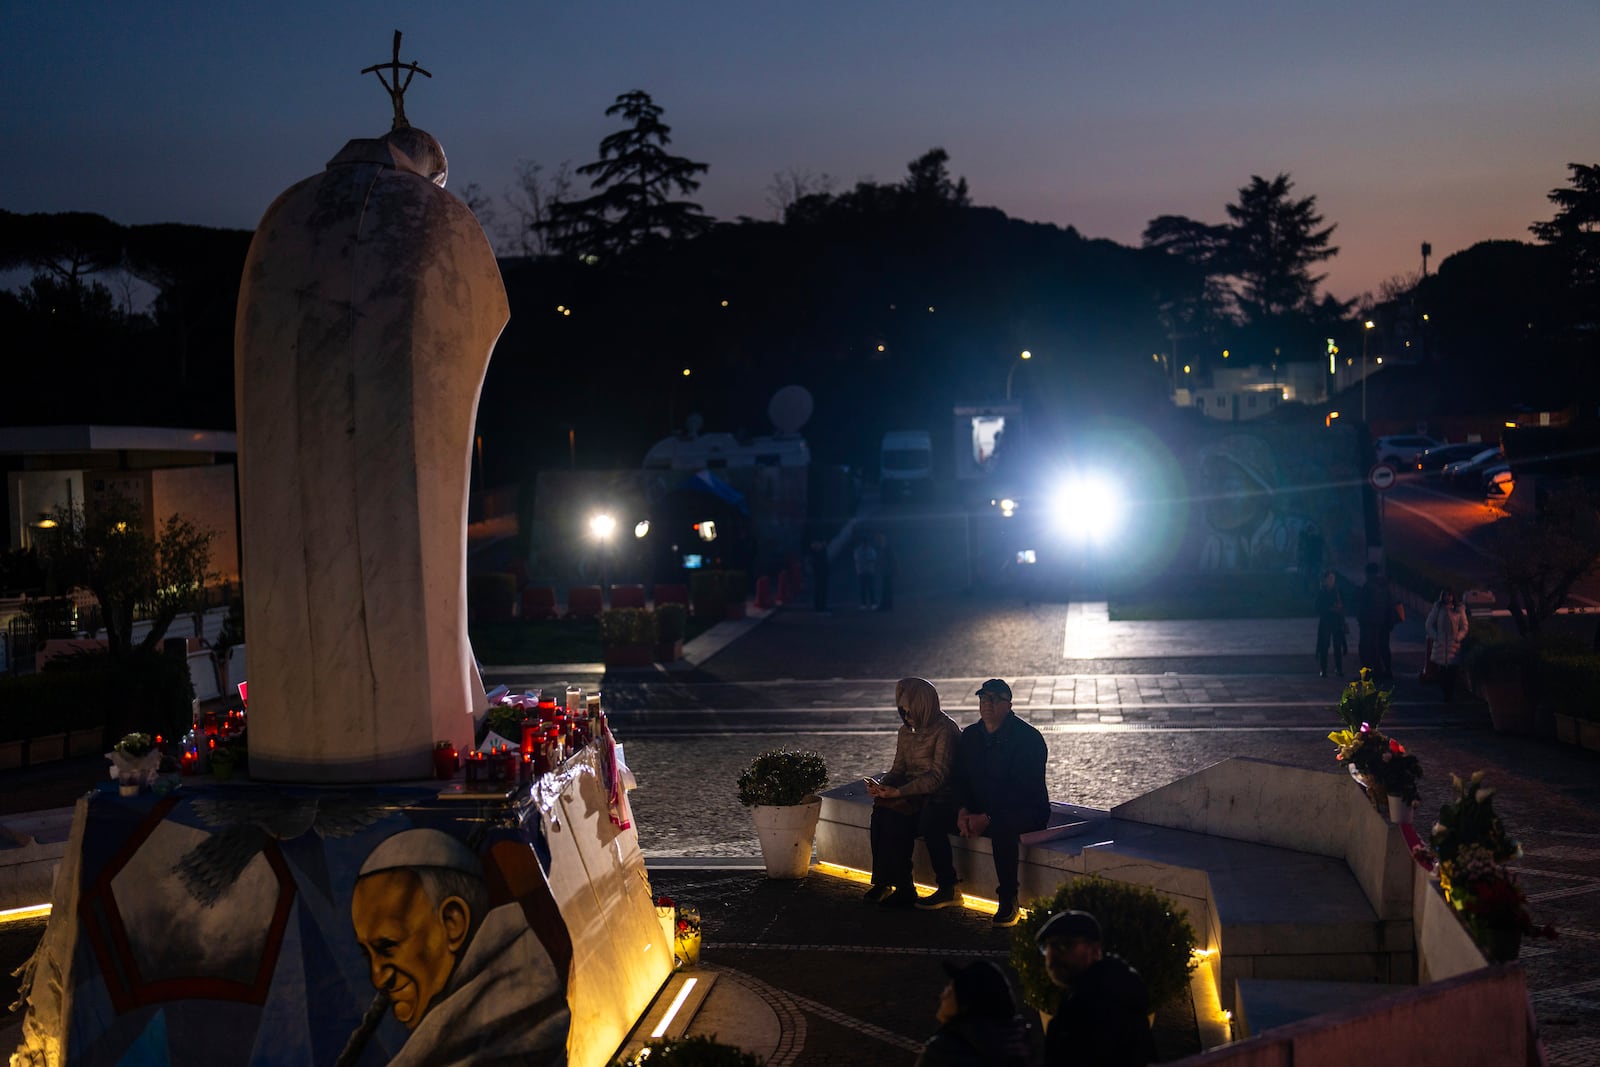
(1003, 771)
(1103, 1020)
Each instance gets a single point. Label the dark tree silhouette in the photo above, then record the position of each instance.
(1273, 243)
(1575, 234)
(929, 181)
(636, 179)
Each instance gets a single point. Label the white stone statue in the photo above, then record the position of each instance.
(368, 310)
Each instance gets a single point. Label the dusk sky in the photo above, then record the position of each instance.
(1445, 122)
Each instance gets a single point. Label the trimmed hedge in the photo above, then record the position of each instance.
(710, 592)
(1148, 930)
(150, 693)
(627, 626)
(1569, 682)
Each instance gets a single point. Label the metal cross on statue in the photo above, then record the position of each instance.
(396, 87)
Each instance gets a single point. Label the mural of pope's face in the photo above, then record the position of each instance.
(412, 944)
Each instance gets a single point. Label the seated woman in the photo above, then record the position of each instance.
(924, 759)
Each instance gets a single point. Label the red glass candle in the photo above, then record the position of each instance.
(445, 761)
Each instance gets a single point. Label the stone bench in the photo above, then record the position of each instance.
(1285, 873)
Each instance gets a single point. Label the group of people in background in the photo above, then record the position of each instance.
(1378, 612)
(988, 780)
(875, 572)
(875, 569)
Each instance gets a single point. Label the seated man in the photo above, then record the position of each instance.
(1103, 1016)
(1000, 786)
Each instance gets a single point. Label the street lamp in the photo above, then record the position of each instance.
(602, 526)
(1366, 332)
(1026, 355)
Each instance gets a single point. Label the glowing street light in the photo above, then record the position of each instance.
(1366, 332)
(1022, 358)
(602, 526)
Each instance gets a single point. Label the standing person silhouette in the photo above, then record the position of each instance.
(1330, 625)
(866, 561)
(1377, 617)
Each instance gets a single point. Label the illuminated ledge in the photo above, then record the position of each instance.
(31, 911)
(670, 1014)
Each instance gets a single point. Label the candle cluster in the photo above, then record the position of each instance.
(546, 734)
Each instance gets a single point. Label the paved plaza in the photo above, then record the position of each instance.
(1156, 701)
(1138, 706)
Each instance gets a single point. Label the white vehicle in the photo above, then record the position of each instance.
(905, 462)
(1401, 450)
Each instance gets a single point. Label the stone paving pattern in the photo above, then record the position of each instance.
(1157, 701)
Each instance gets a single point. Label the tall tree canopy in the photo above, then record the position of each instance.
(1575, 234)
(1248, 279)
(636, 180)
(1273, 243)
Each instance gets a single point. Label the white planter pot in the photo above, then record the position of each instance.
(1400, 813)
(786, 835)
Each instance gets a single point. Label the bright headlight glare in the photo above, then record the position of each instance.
(1088, 508)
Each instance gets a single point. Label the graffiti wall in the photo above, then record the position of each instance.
(255, 924)
(1266, 498)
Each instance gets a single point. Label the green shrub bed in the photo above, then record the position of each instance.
(150, 693)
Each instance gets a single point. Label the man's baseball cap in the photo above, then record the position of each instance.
(994, 687)
(1069, 926)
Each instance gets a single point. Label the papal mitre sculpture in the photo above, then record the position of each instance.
(368, 309)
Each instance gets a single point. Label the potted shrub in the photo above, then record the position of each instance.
(1501, 670)
(224, 760)
(628, 637)
(779, 787)
(1143, 927)
(670, 622)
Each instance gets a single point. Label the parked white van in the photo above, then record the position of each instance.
(905, 461)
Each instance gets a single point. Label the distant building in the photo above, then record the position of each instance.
(1239, 394)
(167, 471)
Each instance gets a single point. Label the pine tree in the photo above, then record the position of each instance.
(1272, 245)
(1575, 234)
(635, 179)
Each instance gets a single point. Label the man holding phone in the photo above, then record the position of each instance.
(999, 779)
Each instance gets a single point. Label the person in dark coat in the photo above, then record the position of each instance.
(1377, 617)
(978, 1021)
(999, 772)
(1103, 1017)
(1330, 625)
(887, 568)
(821, 572)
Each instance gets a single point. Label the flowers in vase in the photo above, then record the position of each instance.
(1380, 762)
(685, 930)
(134, 762)
(1474, 849)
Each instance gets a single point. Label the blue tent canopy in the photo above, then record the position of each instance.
(706, 482)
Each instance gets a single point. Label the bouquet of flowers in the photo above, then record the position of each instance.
(685, 930)
(1379, 762)
(134, 762)
(1474, 850)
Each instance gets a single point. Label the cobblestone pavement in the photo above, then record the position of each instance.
(1136, 706)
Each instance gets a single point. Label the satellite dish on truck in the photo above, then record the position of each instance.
(789, 409)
